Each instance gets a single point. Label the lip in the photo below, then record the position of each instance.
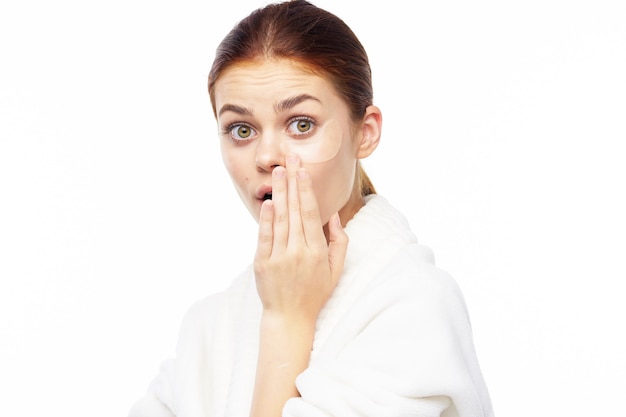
(262, 191)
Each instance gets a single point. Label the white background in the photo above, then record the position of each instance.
(504, 130)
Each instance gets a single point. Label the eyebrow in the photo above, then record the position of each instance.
(291, 102)
(236, 109)
(279, 107)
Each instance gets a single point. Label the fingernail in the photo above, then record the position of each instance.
(279, 172)
(292, 159)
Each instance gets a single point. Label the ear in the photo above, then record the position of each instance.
(371, 129)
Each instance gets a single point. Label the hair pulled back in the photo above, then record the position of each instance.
(313, 37)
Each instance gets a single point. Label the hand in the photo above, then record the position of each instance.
(296, 269)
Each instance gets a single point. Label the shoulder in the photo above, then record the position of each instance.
(409, 302)
(411, 274)
(405, 342)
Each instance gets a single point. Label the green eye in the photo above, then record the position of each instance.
(242, 132)
(303, 126)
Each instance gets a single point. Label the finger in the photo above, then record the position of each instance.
(309, 212)
(337, 247)
(293, 200)
(265, 237)
(279, 200)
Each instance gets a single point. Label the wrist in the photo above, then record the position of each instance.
(290, 326)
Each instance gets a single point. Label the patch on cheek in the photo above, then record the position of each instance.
(323, 146)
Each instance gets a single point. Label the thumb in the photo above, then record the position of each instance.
(337, 246)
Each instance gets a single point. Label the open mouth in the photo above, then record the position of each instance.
(264, 192)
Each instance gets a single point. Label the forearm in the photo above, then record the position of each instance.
(284, 352)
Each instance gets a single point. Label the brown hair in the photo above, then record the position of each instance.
(314, 37)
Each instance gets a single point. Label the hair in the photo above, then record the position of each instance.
(313, 37)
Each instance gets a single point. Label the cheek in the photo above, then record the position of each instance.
(332, 184)
(232, 164)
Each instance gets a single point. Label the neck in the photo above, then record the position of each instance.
(348, 211)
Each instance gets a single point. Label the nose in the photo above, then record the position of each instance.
(269, 153)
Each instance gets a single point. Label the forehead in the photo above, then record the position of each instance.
(270, 81)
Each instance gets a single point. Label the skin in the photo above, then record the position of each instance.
(301, 243)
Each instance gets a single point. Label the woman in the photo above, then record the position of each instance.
(342, 312)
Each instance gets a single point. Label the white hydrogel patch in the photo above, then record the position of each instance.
(323, 146)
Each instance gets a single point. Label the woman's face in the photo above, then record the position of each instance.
(267, 110)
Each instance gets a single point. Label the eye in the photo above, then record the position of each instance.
(301, 126)
(240, 131)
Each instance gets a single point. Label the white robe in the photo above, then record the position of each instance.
(394, 340)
